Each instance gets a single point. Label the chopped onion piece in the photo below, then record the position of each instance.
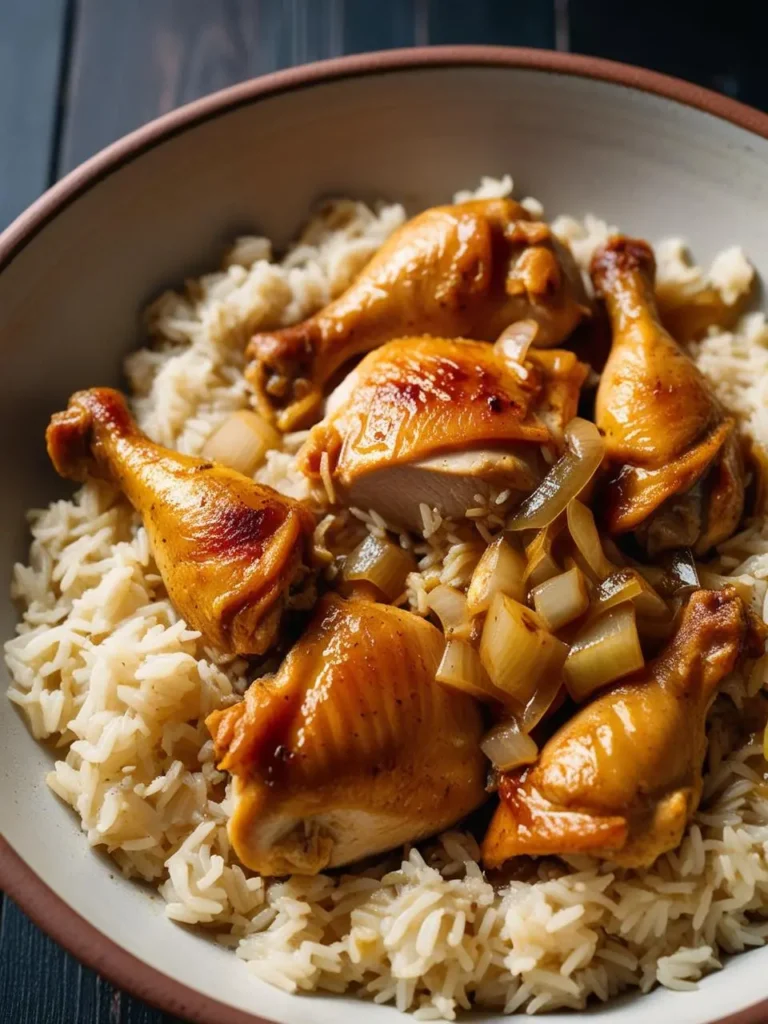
(507, 747)
(517, 650)
(380, 562)
(501, 569)
(541, 562)
(450, 606)
(514, 341)
(461, 669)
(604, 651)
(561, 599)
(581, 525)
(242, 441)
(629, 585)
(565, 480)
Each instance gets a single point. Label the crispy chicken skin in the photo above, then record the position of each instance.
(622, 778)
(352, 748)
(437, 419)
(228, 549)
(467, 270)
(671, 450)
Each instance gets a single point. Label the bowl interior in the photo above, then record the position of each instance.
(70, 305)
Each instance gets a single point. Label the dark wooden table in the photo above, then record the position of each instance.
(77, 74)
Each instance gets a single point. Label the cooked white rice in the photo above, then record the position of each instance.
(103, 665)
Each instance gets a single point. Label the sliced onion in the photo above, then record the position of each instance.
(517, 650)
(581, 525)
(604, 651)
(450, 606)
(629, 585)
(380, 562)
(514, 341)
(242, 441)
(565, 480)
(506, 746)
(461, 669)
(544, 698)
(501, 569)
(541, 562)
(561, 599)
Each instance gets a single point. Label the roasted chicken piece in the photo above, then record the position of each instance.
(437, 421)
(352, 747)
(622, 778)
(673, 454)
(229, 550)
(467, 270)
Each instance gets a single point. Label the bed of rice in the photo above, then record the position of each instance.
(103, 667)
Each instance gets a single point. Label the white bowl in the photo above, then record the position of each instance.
(652, 154)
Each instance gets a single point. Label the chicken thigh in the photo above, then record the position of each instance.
(467, 270)
(352, 748)
(623, 777)
(437, 421)
(229, 550)
(675, 464)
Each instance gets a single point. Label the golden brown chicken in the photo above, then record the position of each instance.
(436, 421)
(352, 748)
(622, 778)
(467, 270)
(229, 550)
(675, 464)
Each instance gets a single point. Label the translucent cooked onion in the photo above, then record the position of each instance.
(242, 441)
(517, 650)
(450, 606)
(547, 692)
(604, 651)
(561, 599)
(501, 570)
(506, 746)
(514, 341)
(461, 669)
(565, 480)
(581, 525)
(628, 585)
(541, 562)
(380, 562)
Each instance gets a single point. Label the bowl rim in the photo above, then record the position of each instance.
(17, 879)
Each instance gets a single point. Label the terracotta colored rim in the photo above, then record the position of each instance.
(17, 879)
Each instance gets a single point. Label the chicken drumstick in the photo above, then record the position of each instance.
(467, 270)
(228, 549)
(677, 475)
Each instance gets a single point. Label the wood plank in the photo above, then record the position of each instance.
(523, 23)
(31, 38)
(727, 55)
(149, 56)
(379, 26)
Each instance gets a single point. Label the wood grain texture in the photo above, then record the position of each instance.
(518, 23)
(31, 48)
(724, 51)
(135, 59)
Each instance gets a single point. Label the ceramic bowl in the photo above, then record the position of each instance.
(650, 153)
